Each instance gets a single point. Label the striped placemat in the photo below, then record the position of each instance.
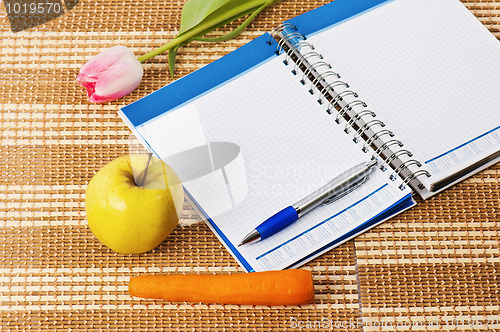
(437, 266)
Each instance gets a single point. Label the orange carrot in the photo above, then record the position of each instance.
(287, 287)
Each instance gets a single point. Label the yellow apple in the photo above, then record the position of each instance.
(129, 218)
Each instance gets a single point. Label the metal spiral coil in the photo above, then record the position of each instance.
(412, 176)
(340, 97)
(287, 38)
(294, 47)
(385, 146)
(404, 165)
(280, 28)
(302, 43)
(303, 58)
(365, 127)
(313, 67)
(375, 137)
(355, 118)
(330, 86)
(397, 154)
(348, 107)
(320, 77)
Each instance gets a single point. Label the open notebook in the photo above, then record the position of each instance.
(413, 84)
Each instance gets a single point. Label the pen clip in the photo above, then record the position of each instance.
(336, 197)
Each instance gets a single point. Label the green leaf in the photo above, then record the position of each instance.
(230, 7)
(171, 56)
(194, 11)
(171, 59)
(236, 31)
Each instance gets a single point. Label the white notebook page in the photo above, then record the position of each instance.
(430, 71)
(289, 147)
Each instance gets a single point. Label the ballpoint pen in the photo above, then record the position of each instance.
(332, 191)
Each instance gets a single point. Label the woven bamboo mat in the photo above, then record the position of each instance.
(436, 266)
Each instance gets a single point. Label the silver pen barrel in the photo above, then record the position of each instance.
(339, 185)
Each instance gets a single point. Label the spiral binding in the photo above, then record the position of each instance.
(339, 97)
(304, 58)
(287, 38)
(395, 155)
(375, 137)
(406, 164)
(295, 47)
(384, 147)
(349, 107)
(355, 118)
(330, 87)
(412, 176)
(280, 28)
(322, 76)
(398, 154)
(344, 101)
(365, 127)
(313, 67)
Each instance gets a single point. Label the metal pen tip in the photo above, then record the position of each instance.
(253, 236)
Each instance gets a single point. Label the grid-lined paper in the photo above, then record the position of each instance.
(288, 147)
(430, 71)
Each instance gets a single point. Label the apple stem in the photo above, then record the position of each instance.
(146, 170)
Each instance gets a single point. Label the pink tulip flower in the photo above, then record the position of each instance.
(110, 75)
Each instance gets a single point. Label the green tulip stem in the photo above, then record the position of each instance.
(203, 27)
(159, 50)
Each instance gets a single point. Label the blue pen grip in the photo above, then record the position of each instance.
(277, 222)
